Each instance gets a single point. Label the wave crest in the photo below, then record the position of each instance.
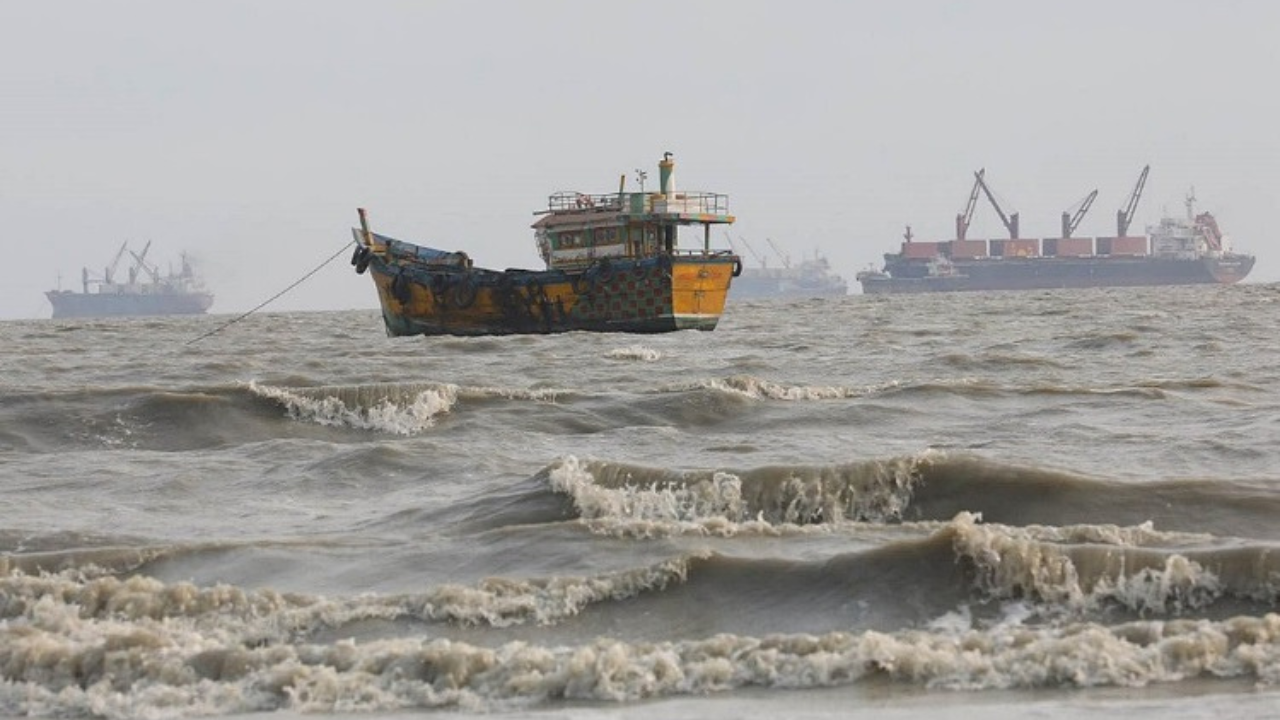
(760, 389)
(1014, 563)
(633, 499)
(637, 353)
(402, 409)
(61, 663)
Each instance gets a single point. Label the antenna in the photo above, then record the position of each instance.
(640, 177)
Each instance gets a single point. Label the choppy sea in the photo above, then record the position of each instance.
(982, 505)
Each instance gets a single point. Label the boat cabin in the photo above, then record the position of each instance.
(578, 229)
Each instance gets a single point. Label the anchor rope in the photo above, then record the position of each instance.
(273, 298)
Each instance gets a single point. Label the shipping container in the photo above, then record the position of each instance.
(1021, 248)
(968, 248)
(1132, 245)
(1068, 247)
(920, 249)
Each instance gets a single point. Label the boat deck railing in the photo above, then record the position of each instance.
(702, 203)
(702, 252)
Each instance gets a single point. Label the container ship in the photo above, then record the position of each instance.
(809, 278)
(146, 292)
(1186, 250)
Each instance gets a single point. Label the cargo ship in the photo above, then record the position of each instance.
(615, 262)
(809, 278)
(1185, 250)
(146, 292)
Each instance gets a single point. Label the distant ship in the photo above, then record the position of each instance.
(147, 291)
(1177, 251)
(809, 278)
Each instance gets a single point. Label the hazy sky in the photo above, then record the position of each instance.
(247, 133)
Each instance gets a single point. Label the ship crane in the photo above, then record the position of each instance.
(786, 261)
(1010, 221)
(963, 219)
(1071, 221)
(763, 261)
(111, 269)
(140, 262)
(1125, 216)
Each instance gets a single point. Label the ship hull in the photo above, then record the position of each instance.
(68, 304)
(1044, 273)
(652, 295)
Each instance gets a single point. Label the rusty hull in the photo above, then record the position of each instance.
(651, 295)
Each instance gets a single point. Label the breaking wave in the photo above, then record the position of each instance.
(121, 648)
(630, 499)
(636, 353)
(403, 409)
(931, 486)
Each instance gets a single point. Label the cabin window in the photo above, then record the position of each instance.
(606, 236)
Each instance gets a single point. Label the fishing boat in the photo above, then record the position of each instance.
(615, 262)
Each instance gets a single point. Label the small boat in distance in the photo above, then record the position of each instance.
(613, 264)
(147, 292)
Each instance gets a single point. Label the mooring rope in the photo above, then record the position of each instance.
(273, 298)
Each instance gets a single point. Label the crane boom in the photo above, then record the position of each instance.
(1125, 216)
(750, 249)
(963, 219)
(111, 269)
(1071, 221)
(140, 259)
(141, 263)
(786, 261)
(1010, 221)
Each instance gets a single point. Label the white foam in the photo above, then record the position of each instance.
(1014, 561)
(638, 353)
(724, 503)
(501, 602)
(760, 389)
(543, 395)
(138, 648)
(399, 409)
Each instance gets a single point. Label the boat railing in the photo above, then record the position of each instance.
(701, 252)
(562, 201)
(702, 203)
